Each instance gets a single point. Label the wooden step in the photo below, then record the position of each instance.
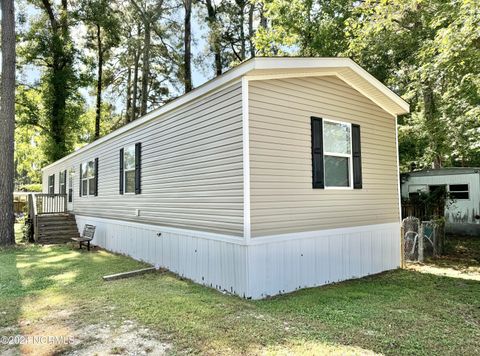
(56, 223)
(52, 218)
(58, 227)
(58, 233)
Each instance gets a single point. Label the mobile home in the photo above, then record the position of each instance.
(280, 174)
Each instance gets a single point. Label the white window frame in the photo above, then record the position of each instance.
(71, 175)
(51, 184)
(460, 191)
(62, 182)
(346, 155)
(88, 178)
(125, 170)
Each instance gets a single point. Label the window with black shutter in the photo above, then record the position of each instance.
(130, 169)
(62, 182)
(336, 154)
(51, 184)
(89, 178)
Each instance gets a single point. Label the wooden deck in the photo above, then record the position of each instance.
(50, 219)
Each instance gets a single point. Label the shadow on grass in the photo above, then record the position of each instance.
(10, 289)
(397, 312)
(461, 253)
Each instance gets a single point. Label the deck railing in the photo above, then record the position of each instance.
(45, 204)
(51, 203)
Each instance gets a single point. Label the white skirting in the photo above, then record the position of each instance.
(258, 267)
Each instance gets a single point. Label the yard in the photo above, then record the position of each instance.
(58, 291)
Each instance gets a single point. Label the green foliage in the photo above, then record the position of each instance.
(428, 52)
(304, 27)
(29, 137)
(34, 187)
(47, 43)
(110, 122)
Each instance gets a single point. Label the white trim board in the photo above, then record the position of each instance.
(266, 63)
(246, 159)
(161, 228)
(252, 241)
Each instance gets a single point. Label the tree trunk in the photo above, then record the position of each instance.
(7, 123)
(187, 56)
(241, 5)
(98, 112)
(145, 68)
(432, 124)
(129, 95)
(263, 18)
(216, 48)
(251, 32)
(135, 85)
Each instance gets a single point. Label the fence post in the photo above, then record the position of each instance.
(402, 246)
(420, 242)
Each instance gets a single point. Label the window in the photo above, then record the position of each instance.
(130, 169)
(62, 182)
(336, 154)
(88, 180)
(459, 191)
(414, 190)
(436, 187)
(51, 184)
(70, 185)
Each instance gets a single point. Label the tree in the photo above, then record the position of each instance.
(187, 50)
(47, 44)
(304, 27)
(7, 122)
(149, 15)
(215, 35)
(427, 51)
(103, 35)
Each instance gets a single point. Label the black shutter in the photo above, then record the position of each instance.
(80, 186)
(53, 183)
(96, 177)
(357, 157)
(317, 153)
(64, 182)
(121, 172)
(138, 167)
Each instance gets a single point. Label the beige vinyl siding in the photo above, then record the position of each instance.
(282, 197)
(192, 168)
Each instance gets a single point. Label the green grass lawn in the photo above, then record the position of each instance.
(400, 312)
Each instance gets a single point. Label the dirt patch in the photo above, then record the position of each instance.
(472, 273)
(60, 333)
(128, 339)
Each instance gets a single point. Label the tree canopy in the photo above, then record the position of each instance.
(98, 64)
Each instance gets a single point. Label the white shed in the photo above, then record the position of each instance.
(278, 175)
(463, 184)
